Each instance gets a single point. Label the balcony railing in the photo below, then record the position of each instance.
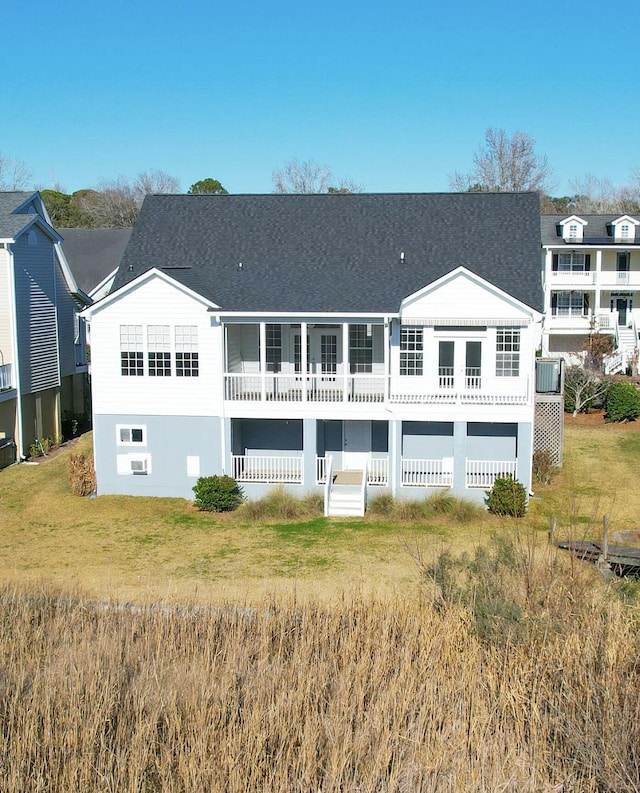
(446, 388)
(6, 377)
(483, 473)
(267, 469)
(427, 473)
(377, 471)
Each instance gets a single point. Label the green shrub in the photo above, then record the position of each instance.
(217, 493)
(623, 403)
(507, 497)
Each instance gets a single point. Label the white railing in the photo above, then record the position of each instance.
(573, 276)
(445, 376)
(378, 471)
(267, 469)
(427, 473)
(473, 377)
(483, 473)
(6, 377)
(321, 470)
(309, 388)
(327, 485)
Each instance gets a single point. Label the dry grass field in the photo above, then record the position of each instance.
(146, 549)
(378, 656)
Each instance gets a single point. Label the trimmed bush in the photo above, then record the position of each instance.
(217, 493)
(507, 497)
(623, 403)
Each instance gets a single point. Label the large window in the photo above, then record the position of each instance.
(131, 351)
(572, 262)
(159, 350)
(274, 348)
(187, 364)
(507, 352)
(411, 351)
(360, 348)
(569, 304)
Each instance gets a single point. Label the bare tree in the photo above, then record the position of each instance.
(310, 177)
(583, 387)
(117, 202)
(14, 174)
(504, 164)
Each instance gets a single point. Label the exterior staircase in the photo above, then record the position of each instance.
(346, 494)
(627, 344)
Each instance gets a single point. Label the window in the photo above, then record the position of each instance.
(411, 351)
(446, 351)
(625, 231)
(360, 348)
(186, 351)
(127, 435)
(569, 304)
(571, 262)
(507, 352)
(274, 348)
(159, 350)
(573, 231)
(131, 351)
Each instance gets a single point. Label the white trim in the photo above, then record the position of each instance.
(466, 322)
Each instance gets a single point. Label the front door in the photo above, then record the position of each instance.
(622, 306)
(356, 445)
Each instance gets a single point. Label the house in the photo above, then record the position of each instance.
(42, 349)
(94, 256)
(283, 338)
(591, 277)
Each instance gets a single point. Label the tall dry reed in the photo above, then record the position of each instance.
(361, 696)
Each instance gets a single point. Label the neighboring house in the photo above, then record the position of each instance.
(42, 346)
(282, 339)
(591, 277)
(94, 256)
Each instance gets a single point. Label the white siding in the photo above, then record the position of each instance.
(155, 302)
(6, 340)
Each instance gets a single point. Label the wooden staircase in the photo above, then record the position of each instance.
(346, 494)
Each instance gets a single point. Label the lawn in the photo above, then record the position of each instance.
(146, 549)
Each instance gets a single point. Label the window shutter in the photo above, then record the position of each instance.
(554, 302)
(585, 303)
(554, 265)
(587, 262)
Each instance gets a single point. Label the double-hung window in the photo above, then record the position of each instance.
(159, 350)
(571, 262)
(411, 350)
(507, 352)
(187, 364)
(131, 351)
(360, 348)
(569, 304)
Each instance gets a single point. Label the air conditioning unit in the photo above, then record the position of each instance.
(139, 466)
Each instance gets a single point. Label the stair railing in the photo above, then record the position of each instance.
(327, 484)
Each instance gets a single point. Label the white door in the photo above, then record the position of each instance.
(356, 445)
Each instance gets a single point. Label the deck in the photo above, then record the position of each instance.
(623, 559)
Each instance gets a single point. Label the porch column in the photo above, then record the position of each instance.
(304, 363)
(596, 307)
(395, 456)
(548, 274)
(263, 360)
(309, 450)
(525, 454)
(226, 449)
(385, 354)
(345, 362)
(459, 455)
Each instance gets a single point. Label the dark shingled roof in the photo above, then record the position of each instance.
(12, 224)
(93, 253)
(596, 232)
(335, 253)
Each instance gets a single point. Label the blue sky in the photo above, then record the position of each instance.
(395, 96)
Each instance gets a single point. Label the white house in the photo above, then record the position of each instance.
(284, 338)
(42, 347)
(591, 277)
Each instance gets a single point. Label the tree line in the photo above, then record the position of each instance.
(502, 163)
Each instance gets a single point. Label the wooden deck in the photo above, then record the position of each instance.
(623, 559)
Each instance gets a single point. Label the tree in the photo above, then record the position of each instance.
(504, 164)
(207, 186)
(116, 203)
(583, 387)
(310, 177)
(14, 174)
(597, 196)
(65, 210)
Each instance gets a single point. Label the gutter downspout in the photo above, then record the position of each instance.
(13, 314)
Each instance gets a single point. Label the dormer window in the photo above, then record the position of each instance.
(624, 229)
(572, 229)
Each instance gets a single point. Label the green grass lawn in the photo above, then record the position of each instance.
(163, 549)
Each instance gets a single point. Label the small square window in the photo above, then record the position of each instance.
(130, 435)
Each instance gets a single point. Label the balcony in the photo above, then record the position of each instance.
(567, 278)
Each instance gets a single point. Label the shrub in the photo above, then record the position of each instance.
(623, 403)
(543, 466)
(507, 497)
(82, 475)
(217, 493)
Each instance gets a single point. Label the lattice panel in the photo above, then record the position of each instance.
(548, 430)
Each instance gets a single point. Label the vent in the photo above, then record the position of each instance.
(138, 466)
